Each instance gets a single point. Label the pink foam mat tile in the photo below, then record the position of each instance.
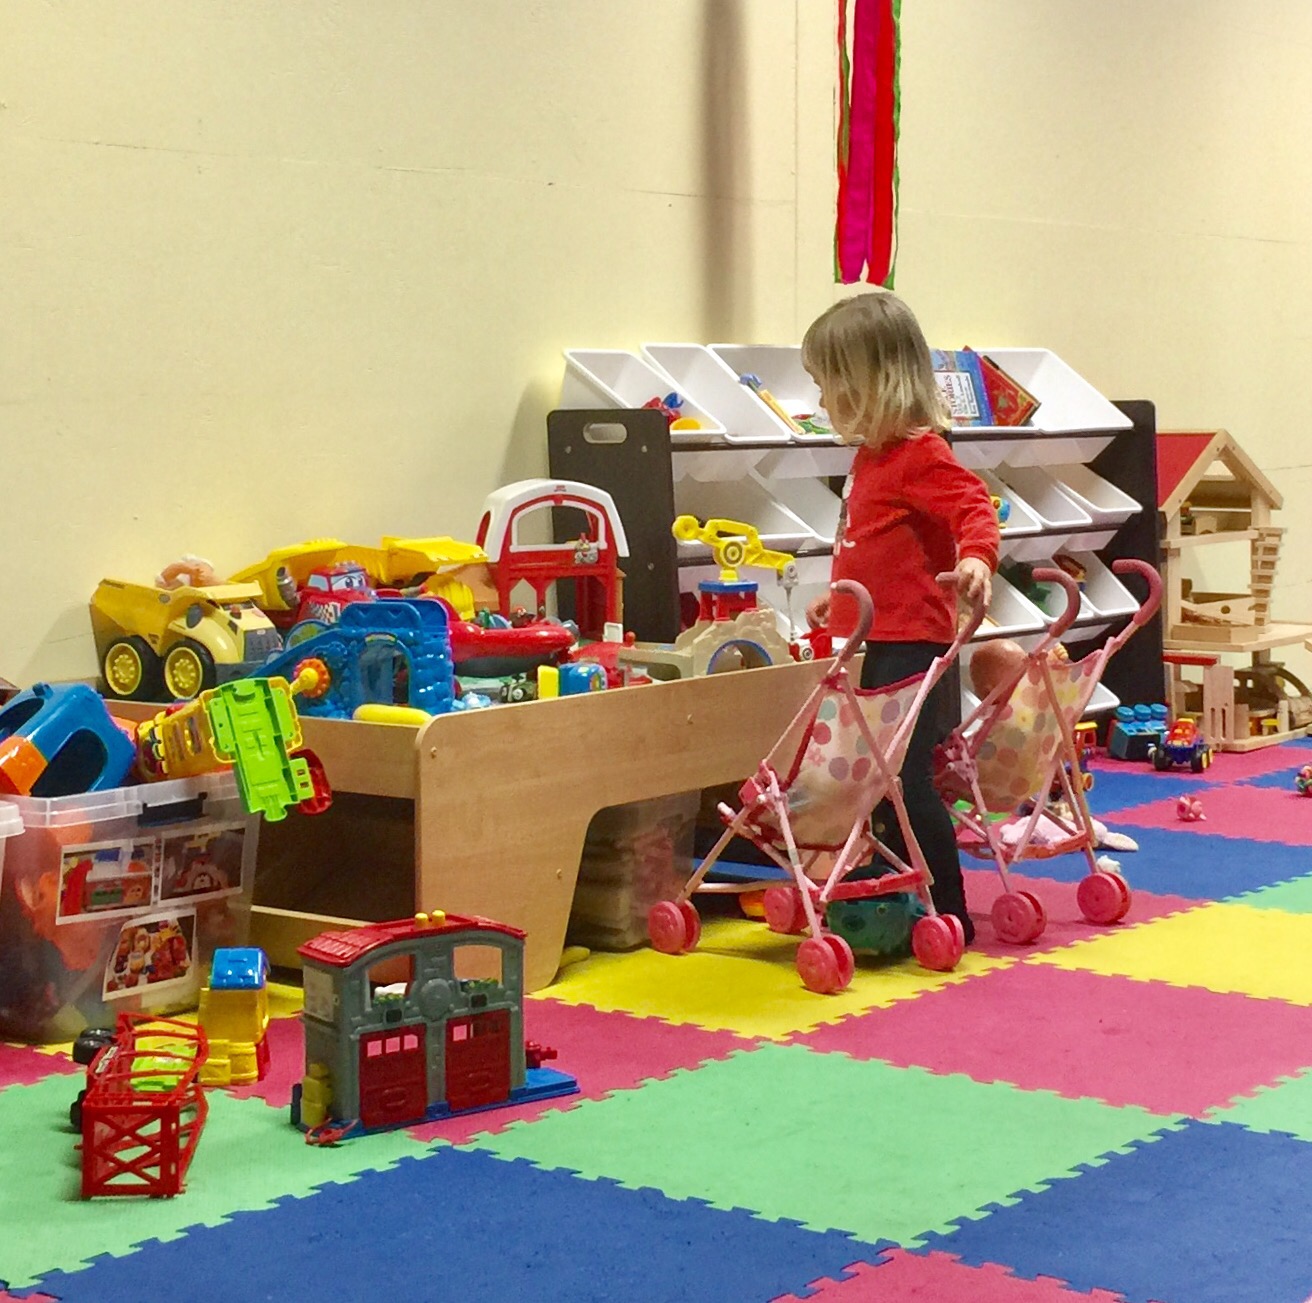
(1237, 810)
(1226, 767)
(24, 1065)
(1081, 1034)
(1065, 921)
(902, 1277)
(604, 1051)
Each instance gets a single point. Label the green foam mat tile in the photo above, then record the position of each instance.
(1294, 896)
(829, 1142)
(1286, 1107)
(249, 1155)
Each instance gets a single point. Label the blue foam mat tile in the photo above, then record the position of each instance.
(1281, 778)
(461, 1226)
(1201, 868)
(1134, 783)
(1204, 1213)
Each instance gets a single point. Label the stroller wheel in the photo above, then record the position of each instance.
(938, 942)
(674, 929)
(1017, 918)
(783, 910)
(1103, 898)
(825, 964)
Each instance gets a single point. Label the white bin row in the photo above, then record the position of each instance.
(1051, 509)
(1011, 614)
(1073, 423)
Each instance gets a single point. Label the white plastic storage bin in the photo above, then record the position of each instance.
(1010, 613)
(1068, 405)
(780, 370)
(1101, 501)
(703, 379)
(747, 500)
(116, 901)
(1058, 513)
(1105, 592)
(811, 501)
(1020, 533)
(1056, 602)
(614, 377)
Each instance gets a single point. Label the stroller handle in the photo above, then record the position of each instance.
(1148, 608)
(1051, 575)
(865, 616)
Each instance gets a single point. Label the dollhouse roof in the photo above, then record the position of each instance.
(342, 949)
(1185, 456)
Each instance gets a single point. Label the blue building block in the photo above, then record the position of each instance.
(1135, 729)
(239, 968)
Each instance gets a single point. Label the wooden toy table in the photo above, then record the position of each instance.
(486, 813)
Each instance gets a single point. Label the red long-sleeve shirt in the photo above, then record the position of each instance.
(911, 511)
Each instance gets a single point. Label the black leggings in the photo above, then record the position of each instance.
(889, 662)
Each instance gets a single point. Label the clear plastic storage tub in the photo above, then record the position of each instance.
(116, 900)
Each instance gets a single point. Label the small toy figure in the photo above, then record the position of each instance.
(1189, 809)
(1303, 782)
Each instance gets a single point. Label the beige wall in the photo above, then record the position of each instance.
(277, 271)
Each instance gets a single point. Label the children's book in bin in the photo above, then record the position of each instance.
(960, 378)
(1011, 402)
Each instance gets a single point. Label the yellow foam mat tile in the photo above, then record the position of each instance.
(1222, 947)
(742, 978)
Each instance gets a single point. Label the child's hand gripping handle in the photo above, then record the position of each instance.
(978, 608)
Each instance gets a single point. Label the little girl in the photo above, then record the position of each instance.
(911, 511)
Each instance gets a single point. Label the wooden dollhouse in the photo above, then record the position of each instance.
(1210, 493)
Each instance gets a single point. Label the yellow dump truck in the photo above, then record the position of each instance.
(171, 644)
(432, 567)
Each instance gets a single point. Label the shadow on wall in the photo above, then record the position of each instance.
(726, 233)
(525, 455)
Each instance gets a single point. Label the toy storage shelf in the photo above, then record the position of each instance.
(750, 467)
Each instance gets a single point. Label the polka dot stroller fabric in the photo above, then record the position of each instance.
(830, 778)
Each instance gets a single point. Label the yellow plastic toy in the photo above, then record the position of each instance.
(234, 1015)
(432, 566)
(176, 639)
(735, 544)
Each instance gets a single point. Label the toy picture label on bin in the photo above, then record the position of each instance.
(202, 864)
(153, 953)
(105, 879)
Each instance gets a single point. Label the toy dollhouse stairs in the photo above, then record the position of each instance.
(1265, 558)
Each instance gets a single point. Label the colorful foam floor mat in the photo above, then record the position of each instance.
(1109, 1114)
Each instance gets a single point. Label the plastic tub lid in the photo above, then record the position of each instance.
(11, 822)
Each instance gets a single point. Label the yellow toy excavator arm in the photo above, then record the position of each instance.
(733, 544)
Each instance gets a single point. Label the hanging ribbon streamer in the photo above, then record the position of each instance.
(865, 237)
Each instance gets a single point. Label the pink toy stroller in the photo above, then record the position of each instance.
(1016, 754)
(808, 808)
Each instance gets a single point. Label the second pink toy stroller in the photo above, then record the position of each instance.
(808, 808)
(1015, 754)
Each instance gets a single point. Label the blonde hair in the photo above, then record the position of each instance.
(868, 353)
